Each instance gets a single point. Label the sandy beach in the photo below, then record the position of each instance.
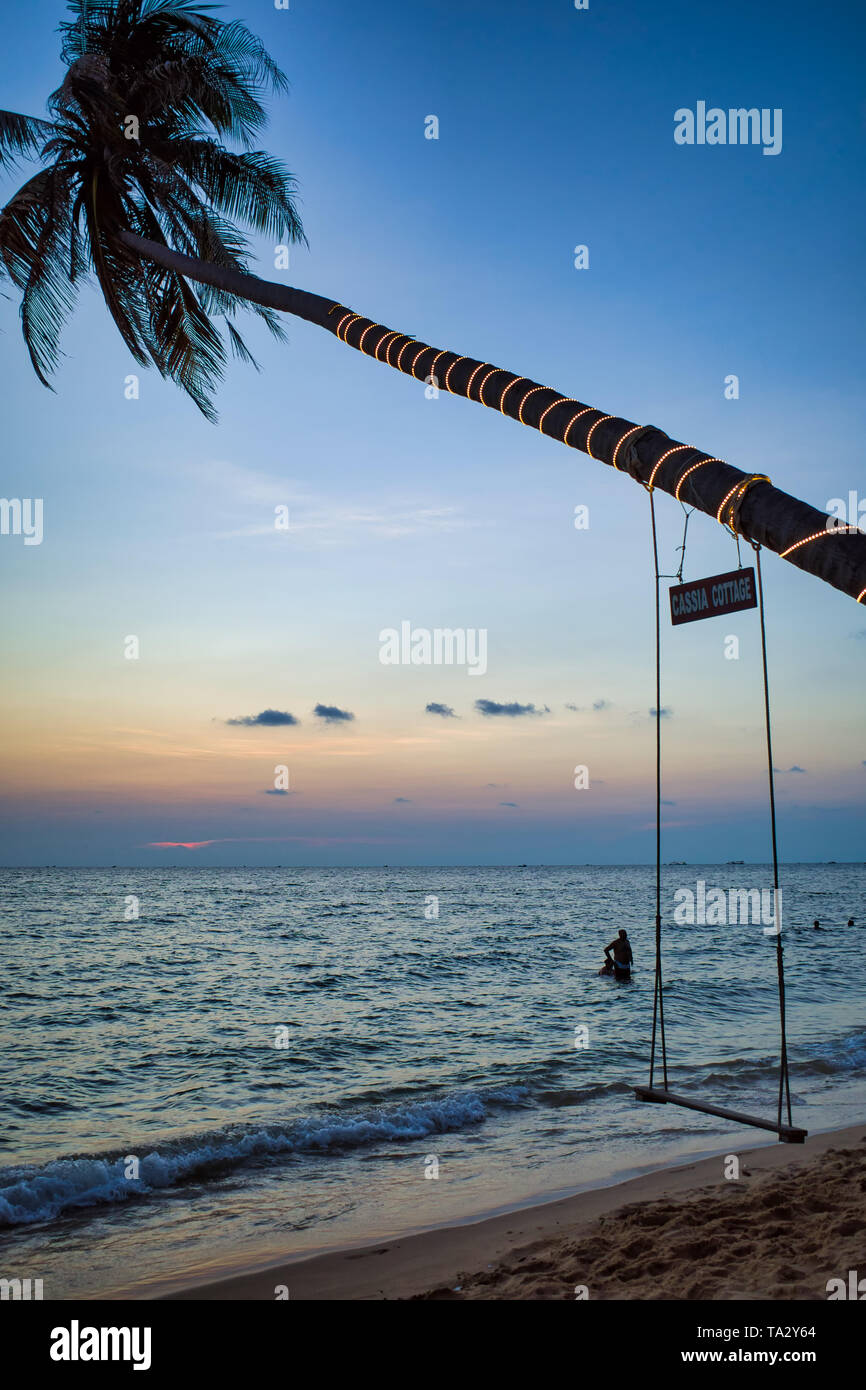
(793, 1219)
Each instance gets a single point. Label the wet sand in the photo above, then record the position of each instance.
(793, 1219)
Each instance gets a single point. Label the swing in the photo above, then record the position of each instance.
(788, 1132)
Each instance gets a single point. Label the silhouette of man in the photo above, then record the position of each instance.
(622, 956)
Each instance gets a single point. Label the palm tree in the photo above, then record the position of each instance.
(133, 146)
(136, 188)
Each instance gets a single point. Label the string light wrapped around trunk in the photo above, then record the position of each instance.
(766, 515)
(742, 502)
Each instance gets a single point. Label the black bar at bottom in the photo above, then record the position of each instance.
(788, 1134)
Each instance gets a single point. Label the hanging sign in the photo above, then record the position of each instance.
(706, 598)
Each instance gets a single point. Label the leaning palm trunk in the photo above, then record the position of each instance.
(748, 504)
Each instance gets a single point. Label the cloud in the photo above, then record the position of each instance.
(269, 719)
(513, 710)
(509, 803)
(316, 840)
(332, 714)
(602, 704)
(402, 801)
(668, 803)
(277, 791)
(795, 768)
(575, 709)
(445, 710)
(665, 712)
(313, 519)
(390, 522)
(182, 844)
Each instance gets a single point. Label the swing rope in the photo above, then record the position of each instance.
(784, 1082)
(658, 1001)
(658, 1028)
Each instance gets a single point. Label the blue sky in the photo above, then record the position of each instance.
(555, 129)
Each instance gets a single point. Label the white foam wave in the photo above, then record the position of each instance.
(43, 1194)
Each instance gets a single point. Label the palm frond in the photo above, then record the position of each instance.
(118, 275)
(35, 246)
(253, 187)
(188, 347)
(21, 136)
(96, 23)
(239, 347)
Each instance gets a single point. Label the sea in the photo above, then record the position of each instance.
(208, 1070)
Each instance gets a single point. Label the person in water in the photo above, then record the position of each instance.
(621, 962)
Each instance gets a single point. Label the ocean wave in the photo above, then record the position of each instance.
(839, 1057)
(567, 1096)
(95, 1180)
(843, 1055)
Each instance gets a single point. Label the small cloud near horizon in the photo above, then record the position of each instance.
(665, 712)
(402, 801)
(444, 710)
(509, 803)
(602, 704)
(277, 791)
(512, 710)
(332, 714)
(268, 718)
(181, 844)
(795, 768)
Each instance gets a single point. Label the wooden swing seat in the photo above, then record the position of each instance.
(788, 1134)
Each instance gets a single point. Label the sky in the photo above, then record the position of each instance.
(555, 130)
